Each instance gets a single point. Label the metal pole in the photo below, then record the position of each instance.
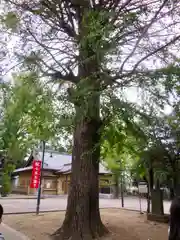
(40, 182)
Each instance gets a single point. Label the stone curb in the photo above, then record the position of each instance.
(20, 198)
(15, 234)
(63, 210)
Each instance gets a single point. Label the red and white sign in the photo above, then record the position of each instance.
(36, 172)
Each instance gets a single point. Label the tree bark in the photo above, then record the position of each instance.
(82, 219)
(172, 194)
(150, 188)
(148, 199)
(116, 186)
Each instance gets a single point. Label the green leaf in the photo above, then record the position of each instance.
(11, 21)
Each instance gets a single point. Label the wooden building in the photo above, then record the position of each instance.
(56, 175)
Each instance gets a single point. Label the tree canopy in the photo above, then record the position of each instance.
(27, 115)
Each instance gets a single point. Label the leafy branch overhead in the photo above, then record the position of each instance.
(118, 38)
(27, 115)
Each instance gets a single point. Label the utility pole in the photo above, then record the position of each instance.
(40, 182)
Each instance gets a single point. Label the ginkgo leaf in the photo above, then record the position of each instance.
(11, 20)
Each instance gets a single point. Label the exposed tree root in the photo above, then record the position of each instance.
(87, 233)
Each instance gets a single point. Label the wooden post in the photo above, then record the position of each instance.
(28, 190)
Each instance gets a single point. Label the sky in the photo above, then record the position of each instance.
(133, 96)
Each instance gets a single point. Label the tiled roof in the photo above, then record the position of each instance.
(55, 160)
(59, 162)
(30, 168)
(22, 169)
(67, 168)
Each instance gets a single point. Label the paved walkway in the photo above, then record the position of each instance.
(11, 234)
(54, 204)
(20, 196)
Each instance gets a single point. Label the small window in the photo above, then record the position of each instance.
(48, 185)
(105, 190)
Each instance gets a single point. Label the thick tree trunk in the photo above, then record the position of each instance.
(82, 219)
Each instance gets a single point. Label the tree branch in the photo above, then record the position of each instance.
(144, 31)
(70, 77)
(155, 51)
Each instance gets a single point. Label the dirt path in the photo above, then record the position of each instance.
(124, 225)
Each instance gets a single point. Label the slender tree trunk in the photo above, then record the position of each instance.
(172, 194)
(151, 178)
(116, 186)
(148, 199)
(82, 219)
(176, 181)
(122, 191)
(150, 188)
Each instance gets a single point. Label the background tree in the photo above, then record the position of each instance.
(27, 116)
(120, 149)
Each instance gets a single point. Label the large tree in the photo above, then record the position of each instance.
(27, 116)
(121, 142)
(94, 45)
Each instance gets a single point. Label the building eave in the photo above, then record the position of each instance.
(25, 169)
(19, 170)
(29, 161)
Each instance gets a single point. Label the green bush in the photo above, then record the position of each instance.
(6, 184)
(6, 179)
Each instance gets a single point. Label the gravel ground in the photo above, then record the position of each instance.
(123, 225)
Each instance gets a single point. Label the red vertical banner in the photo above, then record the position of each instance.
(36, 172)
